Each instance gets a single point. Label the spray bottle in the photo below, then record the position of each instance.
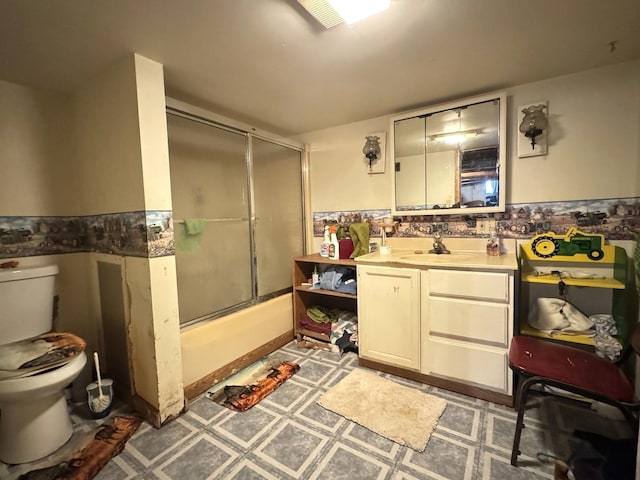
(324, 246)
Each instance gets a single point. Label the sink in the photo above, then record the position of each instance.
(430, 258)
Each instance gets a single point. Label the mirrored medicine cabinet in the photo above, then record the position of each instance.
(450, 158)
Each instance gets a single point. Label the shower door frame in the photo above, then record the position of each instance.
(205, 117)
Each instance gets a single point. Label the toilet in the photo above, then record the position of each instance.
(34, 419)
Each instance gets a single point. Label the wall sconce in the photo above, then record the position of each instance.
(534, 128)
(373, 151)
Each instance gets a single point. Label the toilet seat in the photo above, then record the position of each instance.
(35, 419)
(53, 377)
(39, 354)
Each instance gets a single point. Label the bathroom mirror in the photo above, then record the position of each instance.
(450, 158)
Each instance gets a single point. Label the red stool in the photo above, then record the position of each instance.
(541, 362)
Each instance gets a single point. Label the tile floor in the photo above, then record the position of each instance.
(289, 436)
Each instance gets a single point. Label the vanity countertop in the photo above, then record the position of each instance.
(456, 259)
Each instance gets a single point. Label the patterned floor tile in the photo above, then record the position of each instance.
(291, 448)
(149, 444)
(288, 436)
(246, 428)
(344, 462)
(444, 459)
(202, 458)
(317, 416)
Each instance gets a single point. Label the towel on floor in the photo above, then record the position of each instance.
(359, 233)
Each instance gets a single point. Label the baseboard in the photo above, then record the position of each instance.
(200, 386)
(143, 408)
(451, 385)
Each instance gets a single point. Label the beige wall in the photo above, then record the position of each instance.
(594, 138)
(101, 150)
(36, 147)
(108, 143)
(123, 165)
(593, 152)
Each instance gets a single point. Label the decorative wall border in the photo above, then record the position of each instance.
(151, 234)
(136, 234)
(616, 218)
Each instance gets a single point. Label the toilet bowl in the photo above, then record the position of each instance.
(34, 419)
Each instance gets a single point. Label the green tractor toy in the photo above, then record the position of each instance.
(547, 245)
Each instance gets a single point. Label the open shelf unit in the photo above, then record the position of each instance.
(304, 297)
(596, 283)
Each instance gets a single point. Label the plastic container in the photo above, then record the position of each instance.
(493, 245)
(100, 399)
(334, 246)
(324, 246)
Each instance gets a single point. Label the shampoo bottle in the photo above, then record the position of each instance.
(334, 246)
(324, 246)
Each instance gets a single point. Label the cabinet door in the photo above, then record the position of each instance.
(389, 315)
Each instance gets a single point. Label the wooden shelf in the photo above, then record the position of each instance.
(578, 282)
(305, 297)
(610, 265)
(317, 258)
(320, 291)
(526, 329)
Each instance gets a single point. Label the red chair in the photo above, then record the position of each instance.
(541, 362)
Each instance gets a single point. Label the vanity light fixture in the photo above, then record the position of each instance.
(334, 12)
(454, 138)
(373, 151)
(533, 126)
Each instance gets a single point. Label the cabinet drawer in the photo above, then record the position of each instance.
(477, 321)
(461, 283)
(484, 366)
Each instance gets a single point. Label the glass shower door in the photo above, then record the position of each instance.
(209, 187)
(278, 200)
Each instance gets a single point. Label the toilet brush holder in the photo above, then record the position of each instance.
(100, 398)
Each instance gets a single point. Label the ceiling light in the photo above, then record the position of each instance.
(453, 138)
(353, 11)
(333, 12)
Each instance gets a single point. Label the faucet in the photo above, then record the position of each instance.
(438, 246)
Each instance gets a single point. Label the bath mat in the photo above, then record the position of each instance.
(402, 414)
(107, 442)
(241, 397)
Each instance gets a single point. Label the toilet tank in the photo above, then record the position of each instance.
(26, 302)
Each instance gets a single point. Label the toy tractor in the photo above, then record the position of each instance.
(547, 245)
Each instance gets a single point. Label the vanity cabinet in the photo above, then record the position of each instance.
(304, 297)
(389, 315)
(448, 326)
(467, 321)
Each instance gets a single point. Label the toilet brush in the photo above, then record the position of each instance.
(101, 402)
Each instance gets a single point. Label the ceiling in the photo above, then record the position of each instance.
(270, 64)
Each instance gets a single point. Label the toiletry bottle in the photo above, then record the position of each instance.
(334, 246)
(493, 246)
(324, 246)
(315, 276)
